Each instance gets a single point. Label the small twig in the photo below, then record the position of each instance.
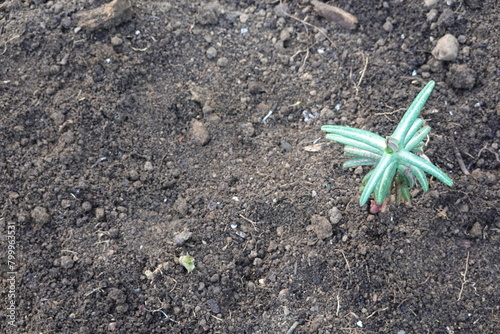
(138, 49)
(145, 309)
(217, 318)
(465, 276)
(301, 68)
(269, 113)
(91, 292)
(460, 161)
(347, 262)
(376, 311)
(485, 148)
(292, 329)
(389, 112)
(362, 74)
(459, 158)
(309, 24)
(338, 305)
(251, 222)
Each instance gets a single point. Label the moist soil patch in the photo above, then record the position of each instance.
(138, 132)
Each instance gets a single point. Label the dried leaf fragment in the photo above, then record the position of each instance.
(105, 16)
(334, 14)
(315, 147)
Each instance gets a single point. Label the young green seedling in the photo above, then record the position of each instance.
(398, 166)
(187, 261)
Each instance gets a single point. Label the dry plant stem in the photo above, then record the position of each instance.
(459, 158)
(376, 311)
(464, 280)
(254, 224)
(311, 25)
(346, 261)
(362, 74)
(335, 14)
(292, 329)
(338, 305)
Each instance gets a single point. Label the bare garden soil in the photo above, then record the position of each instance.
(121, 130)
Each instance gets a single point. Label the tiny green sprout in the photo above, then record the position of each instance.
(182, 237)
(187, 261)
(398, 159)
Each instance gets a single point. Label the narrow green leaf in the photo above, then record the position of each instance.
(413, 111)
(421, 178)
(367, 177)
(359, 162)
(426, 166)
(384, 185)
(386, 160)
(406, 173)
(352, 142)
(413, 129)
(405, 193)
(418, 149)
(364, 136)
(417, 138)
(356, 152)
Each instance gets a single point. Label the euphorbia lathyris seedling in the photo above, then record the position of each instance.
(398, 165)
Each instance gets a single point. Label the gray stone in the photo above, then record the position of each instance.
(387, 26)
(321, 226)
(67, 262)
(211, 53)
(334, 215)
(148, 166)
(100, 213)
(446, 48)
(286, 146)
(40, 215)
(116, 41)
(430, 3)
(447, 18)
(222, 62)
(181, 206)
(199, 132)
(476, 230)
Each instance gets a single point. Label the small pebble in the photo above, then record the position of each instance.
(181, 206)
(148, 166)
(432, 15)
(334, 215)
(222, 62)
(100, 213)
(199, 132)
(321, 226)
(213, 305)
(476, 230)
(447, 18)
(67, 262)
(285, 145)
(86, 206)
(430, 3)
(40, 215)
(244, 18)
(211, 53)
(446, 48)
(387, 26)
(116, 41)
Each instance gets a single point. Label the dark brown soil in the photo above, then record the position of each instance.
(116, 138)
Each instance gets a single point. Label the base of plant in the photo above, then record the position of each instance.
(376, 208)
